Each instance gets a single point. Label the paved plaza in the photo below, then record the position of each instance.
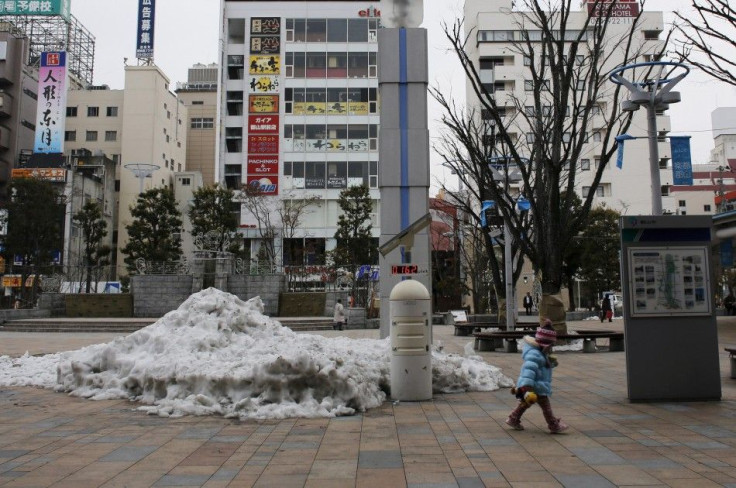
(454, 440)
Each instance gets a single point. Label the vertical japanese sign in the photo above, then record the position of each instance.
(51, 105)
(146, 18)
(682, 167)
(262, 170)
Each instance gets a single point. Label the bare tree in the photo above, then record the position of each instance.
(276, 217)
(567, 60)
(709, 38)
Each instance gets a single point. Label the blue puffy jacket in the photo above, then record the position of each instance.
(536, 372)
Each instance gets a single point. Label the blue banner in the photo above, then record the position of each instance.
(146, 18)
(727, 253)
(620, 139)
(682, 166)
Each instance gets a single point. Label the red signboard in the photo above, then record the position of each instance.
(263, 124)
(263, 165)
(267, 185)
(263, 144)
(620, 8)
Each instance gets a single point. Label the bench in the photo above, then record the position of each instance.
(490, 341)
(732, 356)
(465, 328)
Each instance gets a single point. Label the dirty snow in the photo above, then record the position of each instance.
(217, 354)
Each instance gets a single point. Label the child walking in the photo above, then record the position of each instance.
(535, 379)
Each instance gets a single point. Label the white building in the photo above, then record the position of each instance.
(494, 47)
(299, 112)
(142, 123)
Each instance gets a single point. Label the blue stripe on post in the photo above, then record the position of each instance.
(404, 128)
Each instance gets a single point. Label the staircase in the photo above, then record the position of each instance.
(129, 325)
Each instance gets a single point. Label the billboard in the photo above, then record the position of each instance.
(264, 65)
(263, 104)
(51, 105)
(263, 124)
(263, 144)
(45, 7)
(146, 20)
(47, 174)
(267, 185)
(263, 165)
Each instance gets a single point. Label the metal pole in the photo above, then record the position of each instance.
(508, 275)
(654, 160)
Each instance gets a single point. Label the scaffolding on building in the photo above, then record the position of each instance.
(55, 33)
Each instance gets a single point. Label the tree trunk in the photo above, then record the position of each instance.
(553, 308)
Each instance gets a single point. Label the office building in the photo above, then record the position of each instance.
(299, 113)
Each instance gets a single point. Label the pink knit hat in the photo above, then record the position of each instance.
(546, 335)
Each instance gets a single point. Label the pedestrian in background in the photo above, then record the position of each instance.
(606, 308)
(338, 316)
(528, 303)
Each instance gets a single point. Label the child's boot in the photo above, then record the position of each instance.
(514, 420)
(554, 424)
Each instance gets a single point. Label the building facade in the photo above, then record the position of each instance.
(298, 115)
(142, 124)
(497, 48)
(199, 96)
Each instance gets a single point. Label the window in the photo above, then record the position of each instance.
(530, 137)
(596, 137)
(665, 190)
(202, 123)
(706, 208)
(236, 31)
(70, 135)
(585, 165)
(111, 135)
(528, 85)
(91, 135)
(93, 111)
(337, 30)
(71, 111)
(235, 66)
(357, 30)
(597, 162)
(316, 30)
(529, 110)
(112, 111)
(234, 139)
(651, 35)
(527, 61)
(682, 203)
(185, 181)
(117, 185)
(599, 191)
(235, 103)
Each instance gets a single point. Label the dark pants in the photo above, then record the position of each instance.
(528, 310)
(337, 325)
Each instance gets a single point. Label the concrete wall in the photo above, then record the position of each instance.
(156, 295)
(302, 304)
(23, 313)
(99, 305)
(268, 287)
(53, 304)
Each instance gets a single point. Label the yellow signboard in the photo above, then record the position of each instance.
(264, 65)
(10, 281)
(358, 108)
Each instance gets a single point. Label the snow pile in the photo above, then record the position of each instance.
(217, 354)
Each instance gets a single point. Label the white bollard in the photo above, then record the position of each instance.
(411, 340)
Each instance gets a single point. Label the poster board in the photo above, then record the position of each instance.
(666, 281)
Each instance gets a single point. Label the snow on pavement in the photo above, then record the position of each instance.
(217, 354)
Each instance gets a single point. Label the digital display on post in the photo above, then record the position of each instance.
(404, 269)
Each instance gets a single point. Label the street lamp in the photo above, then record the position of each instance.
(654, 95)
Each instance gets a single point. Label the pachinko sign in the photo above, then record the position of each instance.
(51, 105)
(265, 185)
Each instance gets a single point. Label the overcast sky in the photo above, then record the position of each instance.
(186, 33)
